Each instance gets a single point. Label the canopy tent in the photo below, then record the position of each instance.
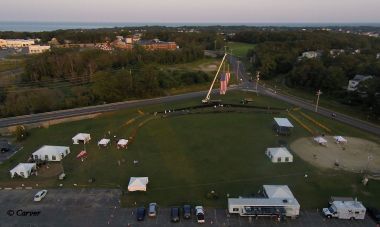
(51, 153)
(104, 142)
(340, 139)
(320, 140)
(81, 137)
(23, 170)
(122, 143)
(82, 154)
(279, 154)
(137, 184)
(282, 126)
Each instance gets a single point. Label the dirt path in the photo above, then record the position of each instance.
(352, 156)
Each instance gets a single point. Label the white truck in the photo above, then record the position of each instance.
(345, 210)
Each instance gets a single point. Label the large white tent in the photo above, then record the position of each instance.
(282, 126)
(320, 140)
(122, 143)
(279, 154)
(104, 142)
(137, 184)
(340, 139)
(51, 153)
(23, 170)
(81, 137)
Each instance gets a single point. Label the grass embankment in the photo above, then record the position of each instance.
(240, 49)
(187, 156)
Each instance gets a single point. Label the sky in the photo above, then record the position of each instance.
(199, 11)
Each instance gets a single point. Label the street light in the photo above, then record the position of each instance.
(319, 92)
(257, 81)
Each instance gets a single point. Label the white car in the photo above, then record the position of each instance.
(200, 213)
(40, 195)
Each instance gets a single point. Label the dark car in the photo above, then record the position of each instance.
(375, 214)
(174, 214)
(140, 214)
(186, 211)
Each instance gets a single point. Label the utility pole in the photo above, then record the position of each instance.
(319, 92)
(215, 44)
(237, 71)
(257, 81)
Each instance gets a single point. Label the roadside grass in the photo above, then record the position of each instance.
(187, 156)
(6, 65)
(205, 64)
(240, 49)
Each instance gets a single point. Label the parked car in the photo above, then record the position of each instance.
(140, 214)
(174, 214)
(40, 195)
(199, 212)
(375, 214)
(187, 211)
(152, 210)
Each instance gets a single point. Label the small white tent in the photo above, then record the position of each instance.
(51, 153)
(279, 154)
(320, 140)
(104, 142)
(137, 184)
(340, 139)
(81, 137)
(122, 143)
(23, 170)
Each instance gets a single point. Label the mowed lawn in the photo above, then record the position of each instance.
(187, 156)
(240, 49)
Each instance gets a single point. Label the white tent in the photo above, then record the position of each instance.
(122, 143)
(283, 122)
(278, 191)
(23, 169)
(81, 137)
(321, 141)
(103, 142)
(279, 154)
(137, 184)
(51, 153)
(340, 139)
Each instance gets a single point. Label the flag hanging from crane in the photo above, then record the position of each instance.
(223, 84)
(228, 76)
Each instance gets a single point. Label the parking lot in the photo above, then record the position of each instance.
(100, 207)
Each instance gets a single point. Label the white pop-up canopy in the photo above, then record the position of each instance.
(103, 142)
(81, 137)
(137, 184)
(340, 139)
(122, 143)
(320, 140)
(23, 169)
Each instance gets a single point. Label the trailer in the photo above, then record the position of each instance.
(353, 210)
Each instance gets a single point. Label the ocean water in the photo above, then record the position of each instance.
(51, 26)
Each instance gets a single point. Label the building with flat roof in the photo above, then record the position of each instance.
(354, 83)
(16, 43)
(36, 49)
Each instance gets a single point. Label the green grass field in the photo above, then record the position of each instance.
(187, 156)
(240, 49)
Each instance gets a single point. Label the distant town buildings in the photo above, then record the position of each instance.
(36, 49)
(16, 43)
(310, 55)
(354, 83)
(336, 52)
(156, 44)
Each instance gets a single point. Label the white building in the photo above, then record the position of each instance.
(23, 170)
(276, 200)
(354, 83)
(311, 54)
(36, 49)
(279, 154)
(51, 153)
(16, 43)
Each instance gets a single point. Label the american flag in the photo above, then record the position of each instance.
(228, 76)
(223, 84)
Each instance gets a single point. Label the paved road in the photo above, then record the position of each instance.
(5, 122)
(100, 207)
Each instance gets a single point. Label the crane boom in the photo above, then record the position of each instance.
(213, 82)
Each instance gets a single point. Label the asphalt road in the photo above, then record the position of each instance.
(245, 85)
(101, 207)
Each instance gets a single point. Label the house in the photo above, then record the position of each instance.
(279, 154)
(354, 83)
(336, 52)
(36, 49)
(282, 126)
(23, 170)
(276, 200)
(82, 138)
(311, 54)
(51, 153)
